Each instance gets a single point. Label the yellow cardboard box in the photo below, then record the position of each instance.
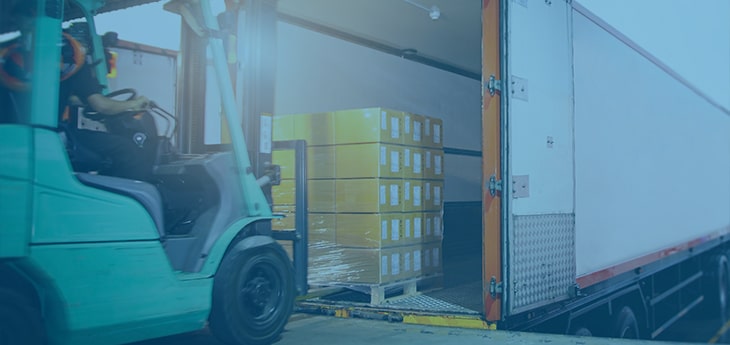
(433, 166)
(322, 227)
(431, 258)
(433, 132)
(369, 125)
(412, 196)
(422, 259)
(316, 128)
(320, 162)
(284, 159)
(433, 195)
(317, 255)
(413, 162)
(341, 265)
(413, 129)
(284, 193)
(370, 230)
(369, 161)
(283, 127)
(433, 227)
(321, 194)
(412, 260)
(412, 227)
(369, 195)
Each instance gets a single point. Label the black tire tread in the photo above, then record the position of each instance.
(626, 319)
(221, 320)
(28, 319)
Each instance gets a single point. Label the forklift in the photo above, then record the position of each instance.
(92, 259)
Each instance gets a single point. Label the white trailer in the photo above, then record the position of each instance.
(603, 176)
(587, 184)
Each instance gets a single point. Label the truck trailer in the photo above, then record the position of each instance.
(569, 160)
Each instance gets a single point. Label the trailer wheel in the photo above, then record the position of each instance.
(20, 323)
(627, 327)
(253, 295)
(582, 332)
(717, 304)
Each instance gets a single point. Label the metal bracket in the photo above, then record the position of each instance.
(519, 88)
(520, 186)
(574, 291)
(521, 2)
(495, 288)
(494, 185)
(494, 85)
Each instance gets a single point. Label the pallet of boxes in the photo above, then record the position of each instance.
(375, 195)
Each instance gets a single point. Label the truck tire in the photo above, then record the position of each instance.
(716, 304)
(20, 322)
(253, 295)
(582, 332)
(627, 327)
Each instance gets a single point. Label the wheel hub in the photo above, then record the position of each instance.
(258, 291)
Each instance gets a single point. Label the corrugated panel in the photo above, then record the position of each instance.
(542, 260)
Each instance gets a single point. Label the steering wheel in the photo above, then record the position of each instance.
(94, 115)
(132, 93)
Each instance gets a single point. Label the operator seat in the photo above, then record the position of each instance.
(145, 193)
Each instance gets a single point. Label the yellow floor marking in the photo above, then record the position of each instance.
(720, 332)
(448, 321)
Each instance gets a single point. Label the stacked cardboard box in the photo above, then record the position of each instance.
(375, 185)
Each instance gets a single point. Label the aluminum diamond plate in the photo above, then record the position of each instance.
(542, 260)
(427, 303)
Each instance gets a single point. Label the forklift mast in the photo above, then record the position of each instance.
(242, 42)
(202, 31)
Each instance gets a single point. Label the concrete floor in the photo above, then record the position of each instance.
(320, 330)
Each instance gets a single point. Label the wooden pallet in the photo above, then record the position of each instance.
(403, 288)
(377, 292)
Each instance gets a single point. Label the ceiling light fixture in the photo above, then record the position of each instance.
(434, 12)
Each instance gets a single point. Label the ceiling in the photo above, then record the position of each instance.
(453, 39)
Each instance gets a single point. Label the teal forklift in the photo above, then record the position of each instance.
(92, 259)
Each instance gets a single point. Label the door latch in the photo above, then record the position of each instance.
(494, 85)
(494, 185)
(495, 288)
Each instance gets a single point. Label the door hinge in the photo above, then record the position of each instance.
(493, 85)
(494, 185)
(495, 288)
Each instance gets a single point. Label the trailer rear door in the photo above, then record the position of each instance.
(538, 179)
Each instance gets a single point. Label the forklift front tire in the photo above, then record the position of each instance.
(253, 295)
(20, 322)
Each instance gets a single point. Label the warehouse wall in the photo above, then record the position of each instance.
(318, 73)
